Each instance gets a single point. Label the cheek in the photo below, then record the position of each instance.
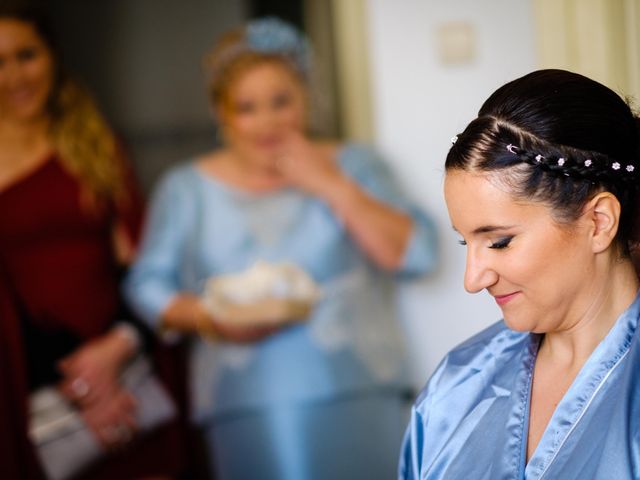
(41, 73)
(45, 74)
(295, 112)
(240, 125)
(530, 264)
(299, 116)
(294, 118)
(549, 266)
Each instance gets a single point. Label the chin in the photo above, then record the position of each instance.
(28, 113)
(518, 325)
(263, 159)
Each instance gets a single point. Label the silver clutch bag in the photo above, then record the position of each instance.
(64, 444)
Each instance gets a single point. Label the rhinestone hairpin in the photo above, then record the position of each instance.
(616, 166)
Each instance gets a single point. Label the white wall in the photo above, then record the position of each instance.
(419, 104)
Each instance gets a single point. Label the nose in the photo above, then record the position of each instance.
(478, 274)
(265, 120)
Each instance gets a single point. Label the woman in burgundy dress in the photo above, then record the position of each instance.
(69, 221)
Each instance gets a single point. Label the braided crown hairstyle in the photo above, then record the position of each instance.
(559, 138)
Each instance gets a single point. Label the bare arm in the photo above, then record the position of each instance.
(380, 230)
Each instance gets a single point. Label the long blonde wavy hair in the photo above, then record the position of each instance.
(86, 144)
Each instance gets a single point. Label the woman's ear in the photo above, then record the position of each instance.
(604, 217)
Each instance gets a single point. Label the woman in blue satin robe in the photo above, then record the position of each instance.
(542, 187)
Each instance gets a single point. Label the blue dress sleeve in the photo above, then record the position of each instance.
(368, 169)
(154, 278)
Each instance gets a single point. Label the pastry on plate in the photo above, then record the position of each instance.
(265, 294)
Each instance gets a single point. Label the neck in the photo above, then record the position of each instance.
(251, 174)
(607, 300)
(24, 135)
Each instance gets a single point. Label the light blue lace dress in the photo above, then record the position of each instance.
(322, 399)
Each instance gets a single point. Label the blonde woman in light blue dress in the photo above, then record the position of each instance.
(325, 398)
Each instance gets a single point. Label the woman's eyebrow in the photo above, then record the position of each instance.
(491, 228)
(487, 228)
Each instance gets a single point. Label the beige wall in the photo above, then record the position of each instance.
(598, 38)
(352, 46)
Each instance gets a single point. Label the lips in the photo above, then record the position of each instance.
(269, 143)
(19, 96)
(504, 299)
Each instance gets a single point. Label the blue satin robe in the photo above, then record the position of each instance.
(471, 420)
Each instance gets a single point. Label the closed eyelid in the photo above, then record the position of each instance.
(502, 242)
(483, 232)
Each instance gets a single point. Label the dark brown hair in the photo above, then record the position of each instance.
(557, 137)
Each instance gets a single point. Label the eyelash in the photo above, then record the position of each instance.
(502, 243)
(499, 245)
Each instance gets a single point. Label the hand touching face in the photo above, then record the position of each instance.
(309, 166)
